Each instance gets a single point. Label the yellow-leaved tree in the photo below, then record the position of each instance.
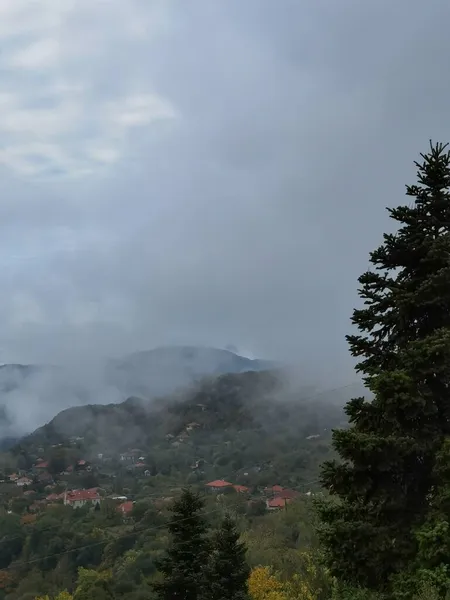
(61, 596)
(263, 584)
(310, 584)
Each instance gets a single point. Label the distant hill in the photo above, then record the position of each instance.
(32, 394)
(235, 421)
(164, 369)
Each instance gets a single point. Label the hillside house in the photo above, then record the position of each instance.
(126, 456)
(276, 503)
(83, 465)
(218, 485)
(241, 489)
(79, 498)
(23, 481)
(126, 508)
(273, 489)
(287, 494)
(54, 497)
(41, 464)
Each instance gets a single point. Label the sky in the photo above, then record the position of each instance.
(205, 172)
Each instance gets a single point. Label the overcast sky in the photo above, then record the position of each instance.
(205, 171)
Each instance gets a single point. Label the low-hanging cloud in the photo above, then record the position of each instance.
(205, 172)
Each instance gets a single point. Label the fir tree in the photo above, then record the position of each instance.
(183, 565)
(227, 571)
(380, 489)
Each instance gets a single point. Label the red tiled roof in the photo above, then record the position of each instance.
(126, 507)
(139, 464)
(42, 465)
(273, 488)
(81, 462)
(288, 494)
(276, 502)
(241, 488)
(218, 483)
(75, 495)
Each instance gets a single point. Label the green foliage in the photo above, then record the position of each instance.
(93, 585)
(12, 539)
(227, 570)
(182, 567)
(382, 484)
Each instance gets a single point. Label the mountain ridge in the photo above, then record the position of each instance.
(31, 394)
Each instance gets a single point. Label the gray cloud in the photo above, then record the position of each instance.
(246, 217)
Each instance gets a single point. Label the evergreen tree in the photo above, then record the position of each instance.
(380, 490)
(227, 571)
(183, 565)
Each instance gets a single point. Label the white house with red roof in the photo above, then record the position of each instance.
(79, 498)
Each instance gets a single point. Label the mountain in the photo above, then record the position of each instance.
(31, 394)
(237, 421)
(162, 370)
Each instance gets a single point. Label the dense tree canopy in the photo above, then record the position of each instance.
(383, 482)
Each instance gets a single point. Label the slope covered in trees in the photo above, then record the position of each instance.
(224, 427)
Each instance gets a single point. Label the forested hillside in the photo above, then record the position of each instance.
(92, 488)
(32, 394)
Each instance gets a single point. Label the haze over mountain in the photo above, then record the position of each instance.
(30, 395)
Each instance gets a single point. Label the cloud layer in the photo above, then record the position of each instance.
(56, 117)
(205, 172)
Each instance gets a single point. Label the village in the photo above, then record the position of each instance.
(36, 489)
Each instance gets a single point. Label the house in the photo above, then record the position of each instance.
(139, 465)
(147, 473)
(276, 503)
(241, 489)
(54, 497)
(41, 464)
(83, 465)
(126, 456)
(79, 498)
(126, 508)
(218, 485)
(21, 481)
(191, 426)
(287, 494)
(13, 477)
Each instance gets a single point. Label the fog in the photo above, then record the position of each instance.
(205, 173)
